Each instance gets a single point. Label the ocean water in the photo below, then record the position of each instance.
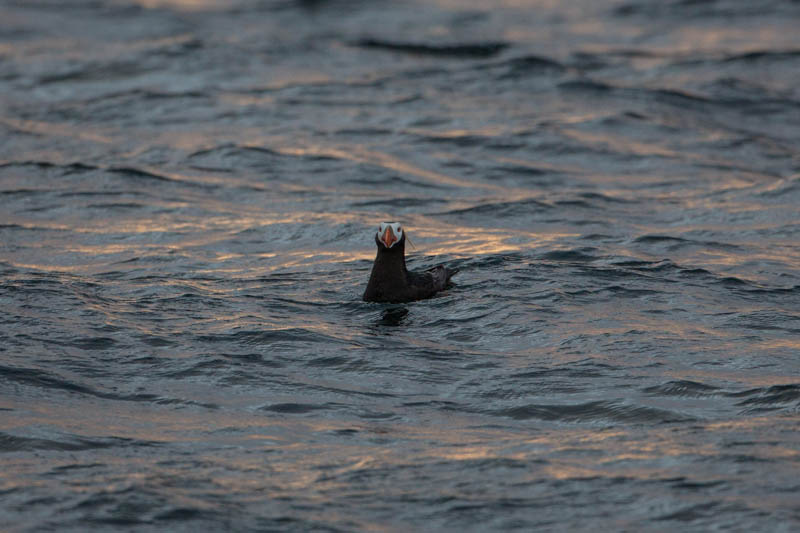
(189, 191)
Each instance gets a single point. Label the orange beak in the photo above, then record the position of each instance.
(388, 237)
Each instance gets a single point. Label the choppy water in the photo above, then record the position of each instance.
(188, 196)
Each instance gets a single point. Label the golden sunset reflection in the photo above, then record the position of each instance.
(361, 154)
(302, 459)
(620, 145)
(487, 131)
(58, 129)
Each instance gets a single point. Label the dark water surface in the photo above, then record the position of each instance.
(189, 191)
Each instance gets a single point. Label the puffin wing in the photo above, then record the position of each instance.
(431, 281)
(441, 276)
(438, 277)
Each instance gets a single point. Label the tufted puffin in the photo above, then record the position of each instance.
(390, 281)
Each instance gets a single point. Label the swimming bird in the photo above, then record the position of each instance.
(391, 281)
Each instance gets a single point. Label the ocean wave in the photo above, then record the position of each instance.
(455, 50)
(593, 412)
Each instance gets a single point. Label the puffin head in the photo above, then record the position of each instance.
(389, 234)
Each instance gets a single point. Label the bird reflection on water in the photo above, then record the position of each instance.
(394, 316)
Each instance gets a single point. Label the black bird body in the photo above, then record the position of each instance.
(391, 281)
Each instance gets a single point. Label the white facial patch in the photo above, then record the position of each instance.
(396, 234)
